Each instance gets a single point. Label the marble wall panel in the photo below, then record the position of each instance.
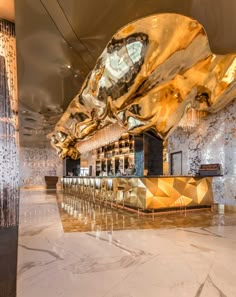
(9, 170)
(213, 141)
(36, 163)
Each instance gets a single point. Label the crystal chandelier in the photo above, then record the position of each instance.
(102, 137)
(190, 120)
(192, 117)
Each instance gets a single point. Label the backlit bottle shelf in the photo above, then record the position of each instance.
(115, 158)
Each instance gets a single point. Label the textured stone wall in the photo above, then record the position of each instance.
(213, 141)
(9, 164)
(37, 163)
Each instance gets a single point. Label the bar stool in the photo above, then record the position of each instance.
(80, 188)
(97, 189)
(70, 185)
(62, 185)
(86, 189)
(65, 183)
(103, 193)
(73, 186)
(91, 190)
(110, 191)
(120, 198)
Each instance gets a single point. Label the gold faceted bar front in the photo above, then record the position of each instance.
(143, 192)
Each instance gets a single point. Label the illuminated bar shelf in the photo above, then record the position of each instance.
(115, 158)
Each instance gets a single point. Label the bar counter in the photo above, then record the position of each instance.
(146, 193)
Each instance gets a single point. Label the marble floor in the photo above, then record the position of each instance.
(83, 216)
(196, 259)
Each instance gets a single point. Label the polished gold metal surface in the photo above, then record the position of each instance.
(7, 10)
(151, 72)
(59, 41)
(144, 193)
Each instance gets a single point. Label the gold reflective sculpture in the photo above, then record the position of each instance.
(149, 74)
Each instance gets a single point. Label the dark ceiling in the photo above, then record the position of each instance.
(59, 41)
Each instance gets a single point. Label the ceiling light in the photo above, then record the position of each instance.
(25, 112)
(30, 120)
(28, 128)
(68, 66)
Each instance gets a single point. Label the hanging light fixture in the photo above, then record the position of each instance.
(190, 120)
(103, 137)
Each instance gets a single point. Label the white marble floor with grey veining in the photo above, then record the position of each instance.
(177, 262)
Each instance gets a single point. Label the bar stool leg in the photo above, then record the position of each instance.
(212, 208)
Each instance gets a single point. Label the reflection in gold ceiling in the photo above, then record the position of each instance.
(7, 11)
(147, 77)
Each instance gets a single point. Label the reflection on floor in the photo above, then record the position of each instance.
(82, 216)
(193, 258)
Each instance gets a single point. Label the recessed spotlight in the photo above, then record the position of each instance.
(25, 112)
(30, 120)
(28, 128)
(68, 66)
(27, 134)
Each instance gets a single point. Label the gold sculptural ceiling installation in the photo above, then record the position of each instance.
(151, 72)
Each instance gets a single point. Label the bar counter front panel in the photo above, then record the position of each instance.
(143, 192)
